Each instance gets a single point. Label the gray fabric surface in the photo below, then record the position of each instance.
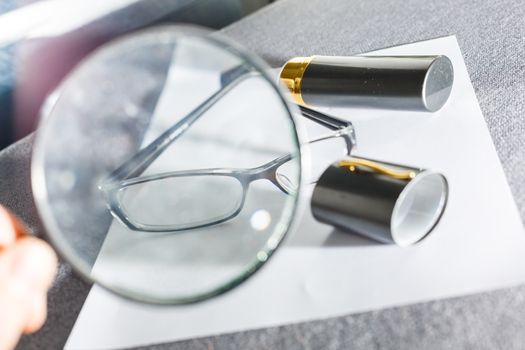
(492, 37)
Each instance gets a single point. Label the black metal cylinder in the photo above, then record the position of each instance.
(363, 200)
(393, 82)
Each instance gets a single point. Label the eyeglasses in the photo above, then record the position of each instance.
(193, 199)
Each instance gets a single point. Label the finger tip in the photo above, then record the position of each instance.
(39, 257)
(8, 231)
(38, 314)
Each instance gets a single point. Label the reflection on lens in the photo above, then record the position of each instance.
(260, 220)
(181, 202)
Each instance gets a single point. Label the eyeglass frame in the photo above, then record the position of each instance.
(128, 174)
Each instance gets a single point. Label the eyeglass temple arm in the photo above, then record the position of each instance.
(328, 121)
(275, 163)
(333, 123)
(143, 159)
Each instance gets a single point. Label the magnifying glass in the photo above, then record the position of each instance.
(168, 165)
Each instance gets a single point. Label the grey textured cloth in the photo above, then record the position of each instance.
(492, 37)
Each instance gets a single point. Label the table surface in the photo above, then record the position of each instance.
(491, 35)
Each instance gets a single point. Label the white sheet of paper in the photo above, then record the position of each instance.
(478, 245)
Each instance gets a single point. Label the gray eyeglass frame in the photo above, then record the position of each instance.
(243, 176)
(128, 174)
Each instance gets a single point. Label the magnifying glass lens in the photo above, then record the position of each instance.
(167, 166)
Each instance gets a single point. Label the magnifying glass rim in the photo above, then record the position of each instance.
(38, 175)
